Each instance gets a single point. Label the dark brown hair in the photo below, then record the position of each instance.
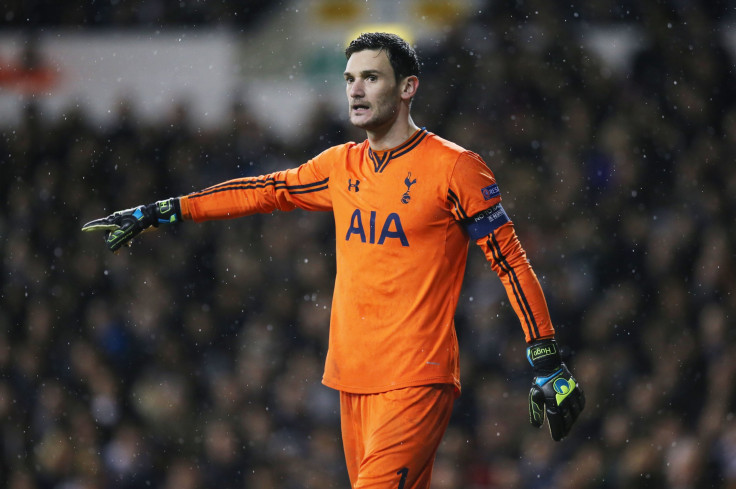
(401, 55)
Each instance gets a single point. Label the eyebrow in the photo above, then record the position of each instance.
(364, 73)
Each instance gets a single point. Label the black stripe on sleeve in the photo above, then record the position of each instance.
(456, 202)
(238, 182)
(308, 190)
(255, 184)
(233, 186)
(307, 186)
(530, 323)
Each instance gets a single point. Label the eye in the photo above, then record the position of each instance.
(372, 78)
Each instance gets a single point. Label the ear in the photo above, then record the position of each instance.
(409, 87)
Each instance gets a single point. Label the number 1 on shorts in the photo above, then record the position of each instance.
(404, 472)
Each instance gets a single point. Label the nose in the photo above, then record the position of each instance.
(355, 89)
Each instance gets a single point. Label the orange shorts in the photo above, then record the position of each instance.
(390, 439)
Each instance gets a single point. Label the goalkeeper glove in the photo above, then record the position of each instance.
(554, 390)
(122, 226)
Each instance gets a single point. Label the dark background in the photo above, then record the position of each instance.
(194, 360)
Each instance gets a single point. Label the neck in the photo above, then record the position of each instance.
(391, 136)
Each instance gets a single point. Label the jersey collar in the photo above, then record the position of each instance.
(381, 158)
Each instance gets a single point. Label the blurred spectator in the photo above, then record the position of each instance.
(195, 361)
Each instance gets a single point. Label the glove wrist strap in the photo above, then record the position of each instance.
(165, 211)
(544, 357)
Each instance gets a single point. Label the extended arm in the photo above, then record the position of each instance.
(305, 187)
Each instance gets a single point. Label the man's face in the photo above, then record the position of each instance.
(373, 94)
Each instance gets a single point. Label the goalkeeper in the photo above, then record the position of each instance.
(406, 204)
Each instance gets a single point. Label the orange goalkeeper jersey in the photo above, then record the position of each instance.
(403, 221)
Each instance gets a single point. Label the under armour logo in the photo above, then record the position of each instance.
(353, 186)
(408, 182)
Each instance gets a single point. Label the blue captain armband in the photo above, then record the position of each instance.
(484, 223)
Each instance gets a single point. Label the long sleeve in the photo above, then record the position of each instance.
(305, 187)
(508, 259)
(475, 201)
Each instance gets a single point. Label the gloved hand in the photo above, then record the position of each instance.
(554, 390)
(122, 226)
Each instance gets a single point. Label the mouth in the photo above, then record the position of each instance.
(359, 107)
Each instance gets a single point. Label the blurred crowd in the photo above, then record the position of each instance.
(193, 360)
(37, 14)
